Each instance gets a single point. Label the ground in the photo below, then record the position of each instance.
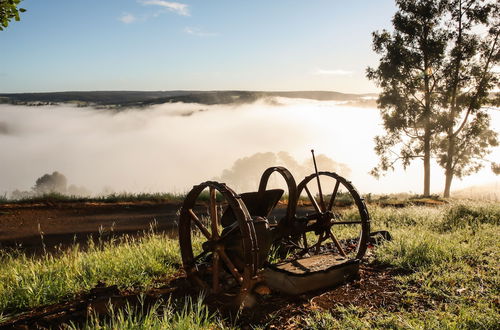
(38, 227)
(440, 271)
(374, 288)
(52, 224)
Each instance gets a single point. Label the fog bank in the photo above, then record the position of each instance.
(172, 146)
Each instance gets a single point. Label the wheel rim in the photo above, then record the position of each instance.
(338, 228)
(206, 258)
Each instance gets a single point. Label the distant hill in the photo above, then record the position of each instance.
(141, 98)
(490, 191)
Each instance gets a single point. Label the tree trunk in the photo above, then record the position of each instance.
(427, 163)
(449, 166)
(447, 185)
(450, 153)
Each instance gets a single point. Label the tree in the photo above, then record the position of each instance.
(468, 79)
(436, 74)
(406, 74)
(245, 173)
(9, 10)
(51, 183)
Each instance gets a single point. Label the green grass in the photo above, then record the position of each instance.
(27, 282)
(162, 315)
(447, 258)
(111, 198)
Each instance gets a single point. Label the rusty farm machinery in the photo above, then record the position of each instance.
(232, 243)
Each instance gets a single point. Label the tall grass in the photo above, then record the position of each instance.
(110, 198)
(162, 315)
(27, 281)
(449, 258)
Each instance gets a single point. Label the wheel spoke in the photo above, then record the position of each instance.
(294, 244)
(320, 192)
(311, 198)
(346, 222)
(230, 265)
(318, 245)
(213, 213)
(304, 240)
(199, 256)
(198, 224)
(334, 194)
(233, 228)
(337, 244)
(215, 272)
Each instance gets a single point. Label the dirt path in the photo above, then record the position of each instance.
(35, 226)
(66, 223)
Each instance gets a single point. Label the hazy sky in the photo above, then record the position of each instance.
(206, 44)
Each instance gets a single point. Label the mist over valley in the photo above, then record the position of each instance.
(171, 146)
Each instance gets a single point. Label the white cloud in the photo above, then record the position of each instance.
(324, 72)
(127, 18)
(176, 7)
(199, 33)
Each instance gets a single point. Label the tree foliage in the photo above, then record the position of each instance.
(51, 183)
(436, 74)
(474, 50)
(406, 75)
(9, 10)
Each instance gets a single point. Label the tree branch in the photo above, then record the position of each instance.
(480, 86)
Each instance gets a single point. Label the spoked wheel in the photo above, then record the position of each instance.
(339, 221)
(217, 240)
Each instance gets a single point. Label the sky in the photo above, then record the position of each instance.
(62, 45)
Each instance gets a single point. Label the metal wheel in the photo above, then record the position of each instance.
(217, 258)
(339, 219)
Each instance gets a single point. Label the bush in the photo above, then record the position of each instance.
(51, 183)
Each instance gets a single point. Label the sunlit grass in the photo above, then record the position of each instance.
(109, 198)
(446, 258)
(162, 315)
(449, 259)
(27, 281)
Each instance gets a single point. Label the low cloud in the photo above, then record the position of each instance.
(337, 72)
(127, 18)
(198, 32)
(176, 7)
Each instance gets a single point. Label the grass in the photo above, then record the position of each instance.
(27, 282)
(162, 315)
(447, 258)
(111, 198)
(342, 199)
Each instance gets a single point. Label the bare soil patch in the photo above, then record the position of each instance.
(33, 226)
